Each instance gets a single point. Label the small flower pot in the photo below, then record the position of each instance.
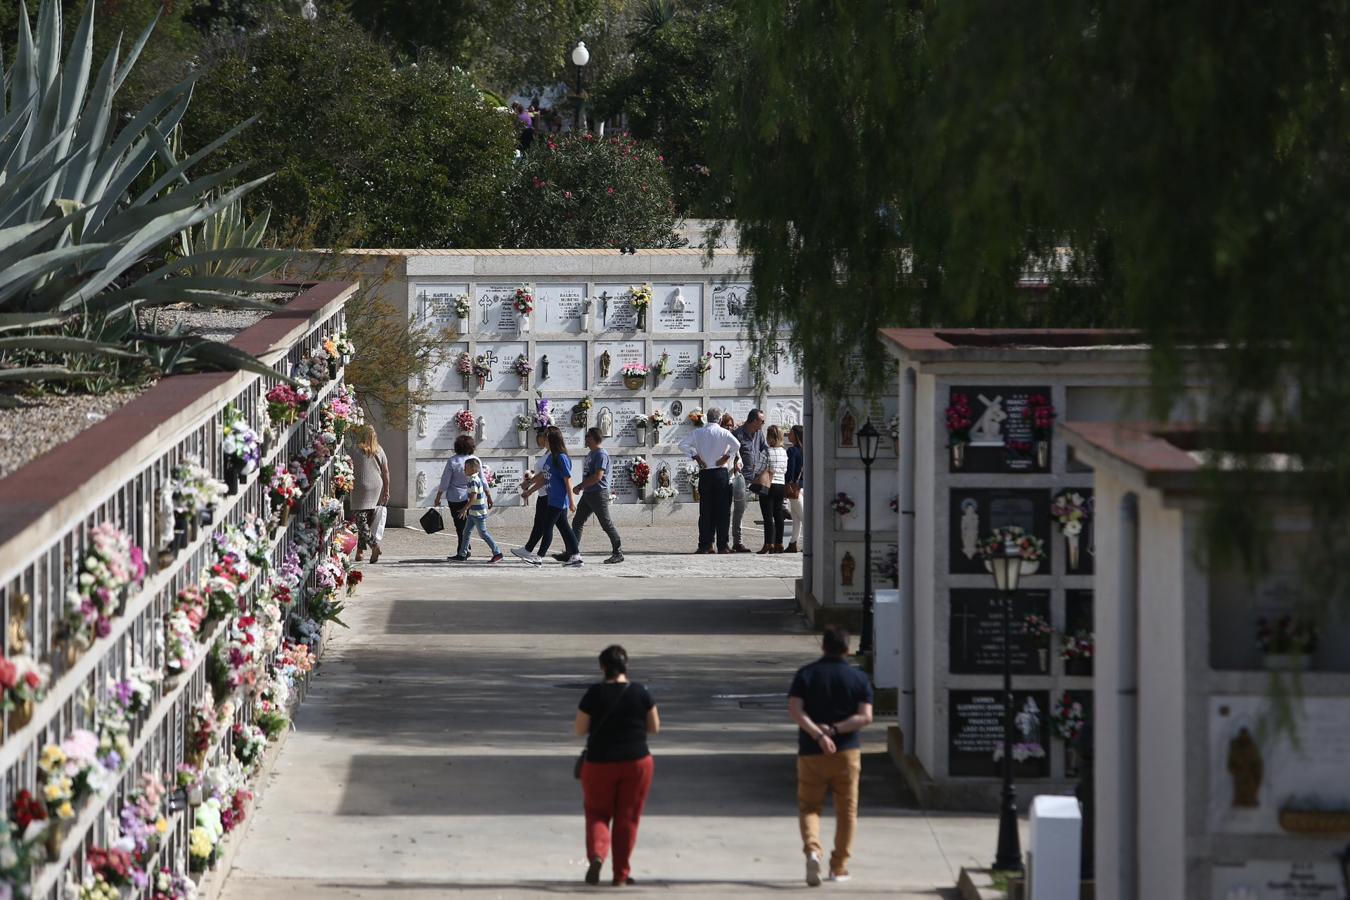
(462, 324)
(698, 379)
(958, 455)
(656, 435)
(1071, 543)
(20, 716)
(634, 382)
(332, 367)
(464, 379)
(1286, 662)
(523, 323)
(523, 435)
(640, 430)
(481, 382)
(524, 382)
(180, 531)
(54, 837)
(234, 467)
(194, 793)
(642, 319)
(285, 514)
(1042, 454)
(642, 492)
(346, 359)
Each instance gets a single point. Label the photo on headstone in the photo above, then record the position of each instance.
(615, 310)
(974, 513)
(435, 304)
(1079, 639)
(1004, 428)
(975, 637)
(560, 308)
(731, 310)
(493, 312)
(677, 307)
(975, 733)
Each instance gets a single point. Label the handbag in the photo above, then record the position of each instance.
(793, 492)
(581, 760)
(431, 521)
(761, 482)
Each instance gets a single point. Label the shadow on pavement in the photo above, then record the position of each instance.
(580, 616)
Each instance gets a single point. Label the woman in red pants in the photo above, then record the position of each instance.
(616, 715)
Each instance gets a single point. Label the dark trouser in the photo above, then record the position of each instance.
(540, 517)
(365, 536)
(771, 508)
(714, 507)
(596, 502)
(558, 516)
(461, 527)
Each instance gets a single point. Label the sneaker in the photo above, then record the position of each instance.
(813, 870)
(574, 562)
(560, 557)
(496, 557)
(615, 557)
(456, 558)
(525, 555)
(593, 871)
(839, 876)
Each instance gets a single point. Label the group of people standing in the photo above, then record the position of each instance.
(736, 463)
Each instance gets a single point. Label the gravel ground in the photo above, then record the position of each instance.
(215, 324)
(28, 432)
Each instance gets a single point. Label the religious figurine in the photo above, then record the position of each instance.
(970, 527)
(663, 476)
(480, 430)
(677, 302)
(17, 639)
(606, 422)
(1246, 768)
(421, 423)
(988, 428)
(847, 426)
(421, 484)
(543, 367)
(846, 568)
(604, 364)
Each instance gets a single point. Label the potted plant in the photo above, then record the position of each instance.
(481, 370)
(523, 304)
(1010, 540)
(464, 366)
(641, 473)
(240, 445)
(1040, 413)
(634, 375)
(703, 367)
(641, 298)
(463, 309)
(524, 425)
(1070, 512)
(523, 367)
(1041, 633)
(1287, 644)
(960, 420)
(843, 505)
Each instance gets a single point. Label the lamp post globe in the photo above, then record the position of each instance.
(580, 56)
(868, 440)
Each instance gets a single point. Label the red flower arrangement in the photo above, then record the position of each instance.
(1040, 412)
(641, 472)
(354, 578)
(114, 865)
(27, 810)
(524, 302)
(232, 816)
(960, 419)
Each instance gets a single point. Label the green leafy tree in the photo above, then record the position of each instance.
(366, 150)
(584, 191)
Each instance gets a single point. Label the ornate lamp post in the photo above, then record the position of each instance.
(868, 439)
(1004, 558)
(580, 56)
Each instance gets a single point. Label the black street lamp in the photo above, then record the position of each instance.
(1007, 569)
(1344, 859)
(580, 56)
(868, 439)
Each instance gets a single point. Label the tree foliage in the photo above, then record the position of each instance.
(590, 192)
(366, 150)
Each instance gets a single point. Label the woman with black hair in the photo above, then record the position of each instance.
(454, 487)
(561, 502)
(616, 715)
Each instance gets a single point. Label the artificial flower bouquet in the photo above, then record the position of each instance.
(236, 658)
(465, 421)
(842, 504)
(239, 443)
(24, 682)
(341, 412)
(1076, 646)
(249, 743)
(1067, 717)
(1070, 512)
(463, 308)
(1040, 414)
(283, 490)
(1039, 630)
(464, 364)
(205, 836)
(285, 403)
(523, 303)
(657, 418)
(640, 296)
(180, 643)
(704, 364)
(195, 491)
(1010, 540)
(634, 370)
(345, 348)
(640, 472)
(960, 420)
(695, 416)
(113, 866)
(170, 885)
(662, 368)
(109, 568)
(1288, 635)
(482, 370)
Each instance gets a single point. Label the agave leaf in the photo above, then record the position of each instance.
(132, 220)
(25, 321)
(113, 156)
(269, 259)
(43, 373)
(56, 344)
(29, 181)
(75, 72)
(223, 356)
(20, 276)
(135, 52)
(23, 77)
(93, 131)
(179, 171)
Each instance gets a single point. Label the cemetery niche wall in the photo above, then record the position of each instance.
(636, 345)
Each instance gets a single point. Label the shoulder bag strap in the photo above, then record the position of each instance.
(608, 713)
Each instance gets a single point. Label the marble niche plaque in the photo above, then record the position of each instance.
(614, 311)
(624, 413)
(509, 471)
(492, 310)
(435, 304)
(975, 733)
(730, 307)
(885, 485)
(730, 365)
(1001, 438)
(566, 366)
(975, 512)
(784, 411)
(684, 357)
(621, 482)
(848, 556)
(853, 413)
(435, 428)
(1277, 880)
(679, 479)
(779, 367)
(1078, 619)
(444, 377)
(975, 640)
(739, 407)
(620, 352)
(560, 308)
(500, 358)
(678, 307)
(499, 424)
(426, 479)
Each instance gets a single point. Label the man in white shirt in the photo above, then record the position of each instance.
(713, 448)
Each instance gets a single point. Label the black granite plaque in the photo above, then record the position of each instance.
(976, 512)
(1080, 550)
(975, 733)
(1001, 437)
(1078, 619)
(975, 641)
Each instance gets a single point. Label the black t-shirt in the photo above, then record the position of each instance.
(622, 735)
(831, 690)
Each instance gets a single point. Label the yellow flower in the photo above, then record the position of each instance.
(65, 811)
(52, 792)
(200, 842)
(162, 825)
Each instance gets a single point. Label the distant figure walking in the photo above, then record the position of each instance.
(526, 126)
(771, 500)
(560, 504)
(535, 483)
(480, 502)
(831, 702)
(713, 448)
(594, 494)
(454, 487)
(796, 475)
(370, 469)
(616, 715)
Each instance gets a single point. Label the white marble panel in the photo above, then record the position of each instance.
(493, 313)
(621, 482)
(780, 368)
(560, 308)
(434, 304)
(614, 310)
(434, 428)
(739, 407)
(566, 366)
(885, 488)
(509, 471)
(678, 307)
(848, 571)
(783, 411)
(623, 411)
(501, 356)
(730, 365)
(620, 352)
(444, 377)
(679, 478)
(499, 430)
(426, 477)
(684, 356)
(730, 308)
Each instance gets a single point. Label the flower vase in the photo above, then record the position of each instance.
(1070, 760)
(838, 522)
(524, 323)
(346, 359)
(20, 715)
(1286, 662)
(54, 837)
(332, 367)
(1043, 656)
(634, 382)
(465, 380)
(463, 324)
(285, 514)
(698, 379)
(524, 382)
(194, 795)
(641, 431)
(70, 654)
(523, 435)
(958, 455)
(695, 489)
(642, 492)
(1042, 454)
(180, 531)
(1071, 542)
(233, 467)
(656, 434)
(642, 319)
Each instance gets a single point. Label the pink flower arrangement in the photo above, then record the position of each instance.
(524, 302)
(465, 421)
(960, 419)
(284, 403)
(464, 364)
(110, 567)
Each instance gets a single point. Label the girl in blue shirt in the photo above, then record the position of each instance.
(561, 502)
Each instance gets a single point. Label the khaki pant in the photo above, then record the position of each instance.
(838, 772)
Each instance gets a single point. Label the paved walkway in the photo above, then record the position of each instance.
(433, 756)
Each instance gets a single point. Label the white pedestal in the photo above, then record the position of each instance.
(1056, 836)
(886, 640)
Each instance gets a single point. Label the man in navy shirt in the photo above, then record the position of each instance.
(594, 491)
(831, 702)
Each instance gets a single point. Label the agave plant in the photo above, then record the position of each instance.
(82, 233)
(225, 229)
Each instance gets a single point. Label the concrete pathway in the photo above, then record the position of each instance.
(433, 756)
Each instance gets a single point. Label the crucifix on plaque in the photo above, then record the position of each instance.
(722, 355)
(775, 354)
(486, 302)
(604, 308)
(490, 358)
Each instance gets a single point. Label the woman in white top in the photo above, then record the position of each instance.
(771, 500)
